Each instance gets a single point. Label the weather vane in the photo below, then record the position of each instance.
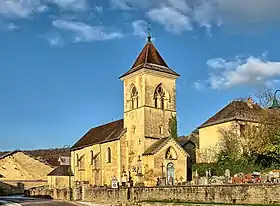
(149, 31)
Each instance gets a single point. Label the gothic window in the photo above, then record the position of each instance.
(109, 155)
(134, 98)
(159, 97)
(171, 154)
(91, 157)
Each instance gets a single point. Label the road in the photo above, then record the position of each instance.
(21, 201)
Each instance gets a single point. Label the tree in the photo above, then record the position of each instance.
(173, 127)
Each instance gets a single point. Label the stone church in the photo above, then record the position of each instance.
(138, 148)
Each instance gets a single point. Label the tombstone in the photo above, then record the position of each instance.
(196, 178)
(114, 183)
(227, 176)
(206, 177)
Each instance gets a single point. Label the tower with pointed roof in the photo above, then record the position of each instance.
(149, 101)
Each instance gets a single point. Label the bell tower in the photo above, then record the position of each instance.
(149, 99)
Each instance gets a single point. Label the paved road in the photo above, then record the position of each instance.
(14, 201)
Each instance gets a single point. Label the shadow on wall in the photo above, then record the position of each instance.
(8, 189)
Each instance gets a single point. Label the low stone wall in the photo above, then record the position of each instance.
(240, 194)
(7, 189)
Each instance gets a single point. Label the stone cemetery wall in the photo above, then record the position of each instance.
(243, 193)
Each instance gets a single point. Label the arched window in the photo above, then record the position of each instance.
(91, 157)
(134, 97)
(159, 97)
(77, 160)
(109, 155)
(171, 154)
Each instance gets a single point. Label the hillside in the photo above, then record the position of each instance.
(49, 155)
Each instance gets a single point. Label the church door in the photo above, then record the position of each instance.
(170, 173)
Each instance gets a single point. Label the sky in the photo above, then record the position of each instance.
(60, 60)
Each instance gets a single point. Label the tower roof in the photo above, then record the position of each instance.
(150, 58)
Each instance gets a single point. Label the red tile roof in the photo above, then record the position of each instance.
(150, 58)
(103, 133)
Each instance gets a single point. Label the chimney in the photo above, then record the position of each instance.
(250, 102)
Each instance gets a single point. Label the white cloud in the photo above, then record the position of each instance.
(54, 39)
(140, 28)
(248, 71)
(173, 20)
(216, 12)
(99, 9)
(74, 5)
(84, 32)
(180, 5)
(20, 8)
(11, 26)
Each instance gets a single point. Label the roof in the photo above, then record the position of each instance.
(150, 58)
(103, 133)
(61, 170)
(156, 146)
(16, 151)
(236, 110)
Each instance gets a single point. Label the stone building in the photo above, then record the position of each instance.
(20, 167)
(237, 116)
(61, 176)
(137, 147)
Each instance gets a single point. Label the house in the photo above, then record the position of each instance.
(21, 167)
(137, 148)
(61, 176)
(237, 116)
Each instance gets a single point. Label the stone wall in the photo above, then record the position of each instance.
(245, 193)
(7, 189)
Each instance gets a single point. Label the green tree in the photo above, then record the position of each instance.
(173, 127)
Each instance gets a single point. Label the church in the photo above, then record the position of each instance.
(138, 148)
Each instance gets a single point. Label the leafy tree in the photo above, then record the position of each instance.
(173, 127)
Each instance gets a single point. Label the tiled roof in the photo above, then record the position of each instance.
(236, 110)
(149, 58)
(61, 170)
(156, 146)
(104, 133)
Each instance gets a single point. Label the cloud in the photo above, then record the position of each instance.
(99, 9)
(180, 5)
(140, 28)
(171, 19)
(241, 71)
(54, 39)
(73, 5)
(20, 8)
(173, 14)
(12, 27)
(84, 32)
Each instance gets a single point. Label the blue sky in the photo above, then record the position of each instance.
(61, 59)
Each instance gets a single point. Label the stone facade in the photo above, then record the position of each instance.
(149, 104)
(240, 194)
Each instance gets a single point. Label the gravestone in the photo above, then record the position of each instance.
(227, 176)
